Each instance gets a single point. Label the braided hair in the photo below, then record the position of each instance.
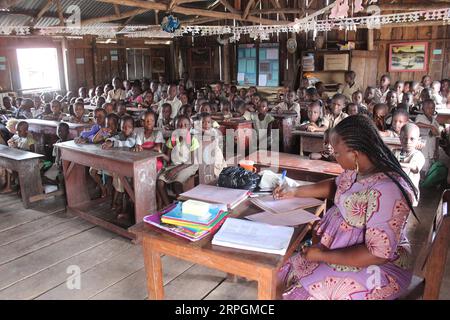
(360, 134)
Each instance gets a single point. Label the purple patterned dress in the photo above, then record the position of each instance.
(372, 211)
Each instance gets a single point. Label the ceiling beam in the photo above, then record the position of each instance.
(42, 11)
(191, 11)
(272, 10)
(5, 4)
(229, 7)
(60, 12)
(247, 9)
(116, 9)
(277, 6)
(114, 17)
(412, 7)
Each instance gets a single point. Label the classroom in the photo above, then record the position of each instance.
(224, 150)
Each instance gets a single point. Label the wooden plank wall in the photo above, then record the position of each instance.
(436, 36)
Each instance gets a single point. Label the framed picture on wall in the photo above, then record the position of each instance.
(408, 57)
(158, 65)
(201, 57)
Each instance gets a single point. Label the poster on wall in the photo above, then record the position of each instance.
(158, 64)
(408, 57)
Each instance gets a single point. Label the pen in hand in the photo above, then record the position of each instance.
(282, 182)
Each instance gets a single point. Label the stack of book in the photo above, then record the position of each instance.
(190, 224)
(308, 63)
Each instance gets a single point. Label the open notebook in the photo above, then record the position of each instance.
(230, 197)
(267, 203)
(254, 236)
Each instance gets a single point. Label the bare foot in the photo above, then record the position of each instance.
(104, 192)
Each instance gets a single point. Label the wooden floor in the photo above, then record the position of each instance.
(39, 246)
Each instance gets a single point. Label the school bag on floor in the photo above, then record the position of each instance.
(436, 175)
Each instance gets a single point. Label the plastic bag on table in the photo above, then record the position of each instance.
(238, 178)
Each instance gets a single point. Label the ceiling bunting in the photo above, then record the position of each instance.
(16, 30)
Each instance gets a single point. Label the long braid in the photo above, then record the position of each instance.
(360, 134)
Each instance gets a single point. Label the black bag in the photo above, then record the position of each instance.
(238, 178)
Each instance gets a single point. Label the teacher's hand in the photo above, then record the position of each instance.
(281, 192)
(312, 254)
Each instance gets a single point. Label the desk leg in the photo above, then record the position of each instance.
(30, 180)
(153, 269)
(301, 145)
(75, 181)
(267, 285)
(144, 180)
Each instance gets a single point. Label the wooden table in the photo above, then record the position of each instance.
(44, 132)
(261, 267)
(26, 164)
(241, 138)
(297, 167)
(443, 116)
(285, 122)
(140, 166)
(313, 141)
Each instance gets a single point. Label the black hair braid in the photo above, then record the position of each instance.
(359, 133)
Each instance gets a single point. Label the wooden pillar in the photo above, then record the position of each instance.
(226, 63)
(370, 39)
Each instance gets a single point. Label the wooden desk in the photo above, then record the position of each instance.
(140, 166)
(241, 138)
(443, 116)
(309, 141)
(297, 167)
(26, 164)
(44, 132)
(285, 122)
(313, 141)
(261, 267)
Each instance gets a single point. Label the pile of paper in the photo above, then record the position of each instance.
(254, 236)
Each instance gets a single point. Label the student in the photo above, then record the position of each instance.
(436, 95)
(121, 109)
(148, 101)
(212, 153)
(262, 123)
(380, 112)
(55, 172)
(88, 136)
(398, 88)
(358, 99)
(400, 117)
(327, 153)
(56, 114)
(147, 138)
(180, 150)
(225, 108)
(125, 139)
(206, 108)
(256, 100)
(8, 131)
(135, 96)
(165, 121)
(301, 94)
(314, 122)
(117, 93)
(7, 105)
(83, 93)
(98, 95)
(369, 99)
(352, 109)
(382, 91)
(392, 100)
(429, 131)
(22, 140)
(24, 111)
(242, 111)
(289, 105)
(408, 102)
(416, 89)
(350, 85)
(106, 89)
(111, 128)
(365, 229)
(426, 82)
(78, 117)
(320, 87)
(172, 100)
(336, 115)
(411, 159)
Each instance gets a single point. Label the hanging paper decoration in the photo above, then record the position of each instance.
(170, 24)
(340, 10)
(358, 6)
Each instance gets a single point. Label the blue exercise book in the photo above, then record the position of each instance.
(176, 213)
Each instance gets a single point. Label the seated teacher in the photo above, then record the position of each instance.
(359, 249)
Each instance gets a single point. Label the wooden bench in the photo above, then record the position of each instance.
(430, 265)
(26, 164)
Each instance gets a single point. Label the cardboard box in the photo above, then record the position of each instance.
(335, 62)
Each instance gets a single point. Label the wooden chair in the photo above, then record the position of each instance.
(430, 264)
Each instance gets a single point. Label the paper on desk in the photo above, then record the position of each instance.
(291, 218)
(270, 180)
(268, 204)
